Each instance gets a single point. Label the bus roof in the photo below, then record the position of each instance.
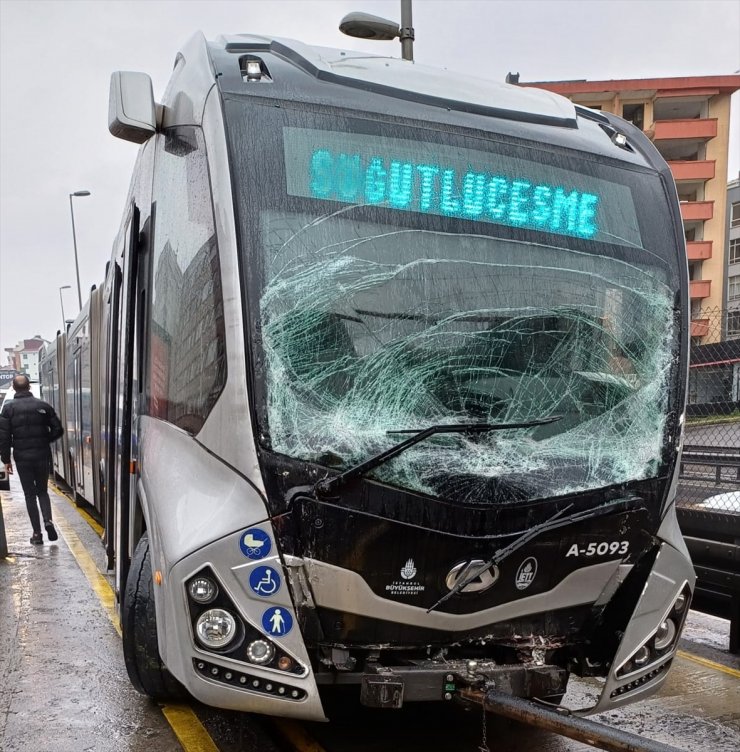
(409, 80)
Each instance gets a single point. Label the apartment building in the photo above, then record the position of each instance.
(688, 120)
(732, 302)
(25, 356)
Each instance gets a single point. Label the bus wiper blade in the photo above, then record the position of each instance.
(554, 522)
(325, 486)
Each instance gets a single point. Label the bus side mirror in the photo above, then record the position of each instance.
(131, 108)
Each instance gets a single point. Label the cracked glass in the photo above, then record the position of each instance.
(372, 317)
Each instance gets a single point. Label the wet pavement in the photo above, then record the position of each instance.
(64, 688)
(63, 684)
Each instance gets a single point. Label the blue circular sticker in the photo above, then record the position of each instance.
(277, 621)
(264, 581)
(255, 543)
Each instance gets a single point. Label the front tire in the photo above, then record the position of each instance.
(139, 627)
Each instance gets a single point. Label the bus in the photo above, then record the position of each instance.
(385, 387)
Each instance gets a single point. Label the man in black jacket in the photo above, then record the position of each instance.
(29, 425)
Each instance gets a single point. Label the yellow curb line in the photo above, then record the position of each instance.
(296, 735)
(97, 581)
(189, 731)
(709, 664)
(94, 524)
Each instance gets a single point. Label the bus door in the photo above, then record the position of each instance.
(108, 452)
(79, 443)
(123, 395)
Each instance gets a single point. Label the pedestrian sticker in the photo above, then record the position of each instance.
(277, 621)
(264, 581)
(255, 543)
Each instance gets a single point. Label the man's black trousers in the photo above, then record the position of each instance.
(34, 479)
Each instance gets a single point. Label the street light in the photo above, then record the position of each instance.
(61, 302)
(366, 26)
(74, 240)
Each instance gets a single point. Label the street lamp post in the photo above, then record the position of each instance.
(61, 302)
(74, 240)
(365, 26)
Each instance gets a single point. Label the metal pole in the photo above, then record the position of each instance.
(574, 727)
(77, 264)
(64, 320)
(407, 31)
(3, 539)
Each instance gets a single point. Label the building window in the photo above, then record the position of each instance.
(733, 289)
(735, 250)
(735, 215)
(635, 113)
(733, 324)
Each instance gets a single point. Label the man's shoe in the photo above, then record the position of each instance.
(51, 530)
(37, 539)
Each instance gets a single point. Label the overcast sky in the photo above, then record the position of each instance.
(56, 57)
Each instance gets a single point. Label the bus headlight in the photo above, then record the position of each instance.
(215, 628)
(641, 657)
(665, 635)
(260, 652)
(203, 590)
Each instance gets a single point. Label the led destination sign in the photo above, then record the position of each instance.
(463, 183)
(439, 189)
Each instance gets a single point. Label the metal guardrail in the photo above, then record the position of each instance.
(707, 456)
(710, 522)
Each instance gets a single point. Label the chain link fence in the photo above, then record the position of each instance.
(710, 467)
(708, 499)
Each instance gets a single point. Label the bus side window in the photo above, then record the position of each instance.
(187, 353)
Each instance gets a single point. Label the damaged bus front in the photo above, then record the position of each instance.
(400, 359)
(468, 364)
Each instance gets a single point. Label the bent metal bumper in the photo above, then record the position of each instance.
(386, 687)
(672, 575)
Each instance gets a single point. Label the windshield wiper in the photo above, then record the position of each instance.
(554, 522)
(325, 486)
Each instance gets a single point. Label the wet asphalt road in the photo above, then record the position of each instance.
(63, 685)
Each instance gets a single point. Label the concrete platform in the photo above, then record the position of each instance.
(63, 683)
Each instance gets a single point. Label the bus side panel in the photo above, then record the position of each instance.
(86, 489)
(111, 310)
(59, 365)
(122, 390)
(71, 405)
(96, 497)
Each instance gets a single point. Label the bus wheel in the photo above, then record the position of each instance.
(139, 627)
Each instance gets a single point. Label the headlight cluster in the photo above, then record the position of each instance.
(219, 628)
(662, 641)
(215, 628)
(203, 590)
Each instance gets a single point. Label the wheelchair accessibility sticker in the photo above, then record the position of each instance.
(277, 621)
(264, 581)
(255, 543)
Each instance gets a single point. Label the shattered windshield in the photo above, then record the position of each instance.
(372, 317)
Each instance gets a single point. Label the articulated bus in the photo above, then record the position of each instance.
(383, 389)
